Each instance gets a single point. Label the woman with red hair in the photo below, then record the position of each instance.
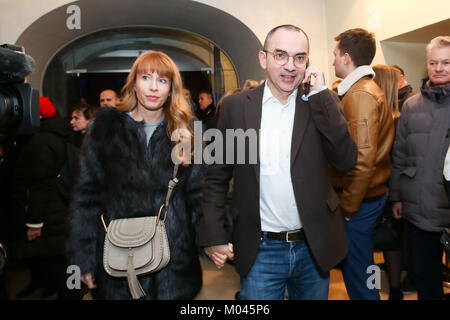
(126, 164)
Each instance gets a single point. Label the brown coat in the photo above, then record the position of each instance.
(370, 122)
(320, 137)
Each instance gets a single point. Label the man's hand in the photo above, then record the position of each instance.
(88, 280)
(219, 254)
(397, 210)
(33, 233)
(317, 74)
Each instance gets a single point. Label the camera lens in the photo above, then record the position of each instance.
(11, 109)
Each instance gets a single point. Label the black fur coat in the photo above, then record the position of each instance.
(122, 178)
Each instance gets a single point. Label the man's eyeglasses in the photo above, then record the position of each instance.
(282, 57)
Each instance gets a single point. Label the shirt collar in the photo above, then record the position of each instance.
(353, 77)
(268, 95)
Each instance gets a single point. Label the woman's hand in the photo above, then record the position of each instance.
(33, 233)
(88, 279)
(220, 253)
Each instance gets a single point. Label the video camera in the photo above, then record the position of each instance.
(19, 102)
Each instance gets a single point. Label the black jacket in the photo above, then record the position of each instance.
(208, 116)
(37, 192)
(122, 178)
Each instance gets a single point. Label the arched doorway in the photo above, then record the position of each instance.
(49, 35)
(102, 60)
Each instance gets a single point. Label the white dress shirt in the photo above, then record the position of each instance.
(447, 165)
(278, 207)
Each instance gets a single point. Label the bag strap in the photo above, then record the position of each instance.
(172, 184)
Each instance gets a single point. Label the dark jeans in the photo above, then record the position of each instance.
(360, 232)
(426, 262)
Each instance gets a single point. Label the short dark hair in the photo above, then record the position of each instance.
(360, 45)
(399, 69)
(207, 92)
(87, 110)
(286, 27)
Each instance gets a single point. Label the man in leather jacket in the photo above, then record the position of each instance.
(363, 190)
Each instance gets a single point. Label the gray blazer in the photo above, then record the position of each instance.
(320, 137)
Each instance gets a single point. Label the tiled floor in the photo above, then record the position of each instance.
(217, 284)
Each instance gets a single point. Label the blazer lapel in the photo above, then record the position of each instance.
(301, 119)
(253, 112)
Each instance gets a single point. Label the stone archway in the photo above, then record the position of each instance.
(49, 34)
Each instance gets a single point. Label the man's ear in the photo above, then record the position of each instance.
(347, 59)
(262, 59)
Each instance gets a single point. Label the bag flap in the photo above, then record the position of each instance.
(117, 258)
(132, 232)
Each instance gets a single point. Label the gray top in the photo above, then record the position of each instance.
(150, 127)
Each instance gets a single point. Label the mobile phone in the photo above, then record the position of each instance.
(306, 85)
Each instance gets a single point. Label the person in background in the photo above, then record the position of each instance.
(416, 186)
(404, 89)
(82, 114)
(188, 96)
(206, 110)
(287, 231)
(363, 190)
(18, 204)
(126, 165)
(388, 79)
(108, 98)
(50, 180)
(250, 84)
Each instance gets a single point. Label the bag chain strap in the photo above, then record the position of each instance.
(172, 183)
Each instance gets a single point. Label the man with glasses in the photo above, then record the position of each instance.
(287, 232)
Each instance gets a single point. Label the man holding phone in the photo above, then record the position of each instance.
(287, 232)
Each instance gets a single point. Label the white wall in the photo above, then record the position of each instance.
(16, 16)
(387, 19)
(262, 15)
(259, 15)
(322, 20)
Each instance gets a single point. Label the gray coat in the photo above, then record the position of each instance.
(420, 147)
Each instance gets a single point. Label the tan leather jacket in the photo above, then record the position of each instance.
(370, 124)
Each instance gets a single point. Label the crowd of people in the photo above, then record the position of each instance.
(331, 164)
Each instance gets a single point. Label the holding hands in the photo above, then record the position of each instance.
(220, 253)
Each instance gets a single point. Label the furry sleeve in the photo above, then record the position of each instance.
(85, 224)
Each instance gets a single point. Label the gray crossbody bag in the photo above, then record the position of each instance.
(138, 246)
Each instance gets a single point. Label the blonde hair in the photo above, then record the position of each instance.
(250, 84)
(387, 78)
(440, 42)
(177, 111)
